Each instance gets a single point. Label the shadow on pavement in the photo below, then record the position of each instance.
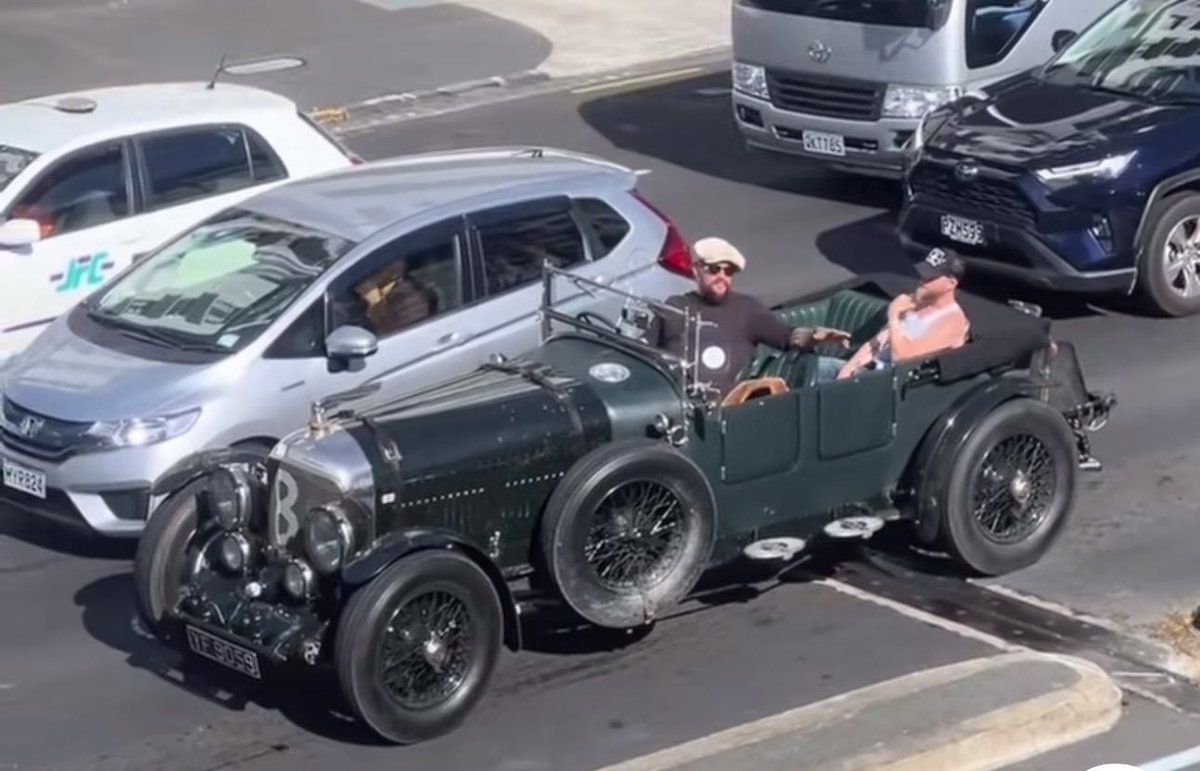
(688, 123)
(60, 539)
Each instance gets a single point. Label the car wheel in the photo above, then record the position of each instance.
(164, 552)
(628, 532)
(1010, 489)
(1169, 273)
(416, 648)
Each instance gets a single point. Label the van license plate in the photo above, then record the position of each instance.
(824, 144)
(962, 230)
(26, 480)
(235, 657)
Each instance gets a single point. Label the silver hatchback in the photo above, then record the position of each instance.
(227, 334)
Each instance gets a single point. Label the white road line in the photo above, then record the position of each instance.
(1177, 762)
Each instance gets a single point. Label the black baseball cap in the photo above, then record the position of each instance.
(940, 262)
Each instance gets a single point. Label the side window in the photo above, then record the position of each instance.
(404, 283)
(266, 164)
(514, 249)
(606, 223)
(189, 165)
(84, 190)
(304, 339)
(995, 26)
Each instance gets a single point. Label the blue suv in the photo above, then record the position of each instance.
(1081, 175)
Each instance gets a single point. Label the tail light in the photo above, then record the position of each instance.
(675, 255)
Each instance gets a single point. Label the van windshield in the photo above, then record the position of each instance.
(1146, 49)
(896, 13)
(220, 284)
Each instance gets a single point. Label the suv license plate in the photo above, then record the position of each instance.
(824, 144)
(235, 657)
(23, 479)
(962, 230)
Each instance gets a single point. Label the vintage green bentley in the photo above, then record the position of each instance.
(384, 539)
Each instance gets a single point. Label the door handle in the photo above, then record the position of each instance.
(449, 340)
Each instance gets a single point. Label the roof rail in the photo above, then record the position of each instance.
(500, 152)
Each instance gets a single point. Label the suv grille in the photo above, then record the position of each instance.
(983, 195)
(39, 435)
(830, 97)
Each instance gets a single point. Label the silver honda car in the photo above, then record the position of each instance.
(227, 334)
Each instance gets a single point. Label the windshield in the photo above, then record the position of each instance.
(898, 13)
(13, 161)
(222, 283)
(1148, 49)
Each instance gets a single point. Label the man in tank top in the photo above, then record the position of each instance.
(919, 324)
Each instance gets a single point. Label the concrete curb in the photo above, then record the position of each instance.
(1010, 734)
(389, 109)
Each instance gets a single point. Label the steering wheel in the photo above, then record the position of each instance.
(595, 319)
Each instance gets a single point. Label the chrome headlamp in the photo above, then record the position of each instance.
(230, 496)
(234, 552)
(328, 538)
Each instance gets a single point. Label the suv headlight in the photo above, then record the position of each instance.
(916, 101)
(1110, 167)
(328, 538)
(140, 432)
(750, 79)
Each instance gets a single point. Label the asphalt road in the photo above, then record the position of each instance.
(80, 688)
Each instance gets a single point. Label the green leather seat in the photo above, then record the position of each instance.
(860, 314)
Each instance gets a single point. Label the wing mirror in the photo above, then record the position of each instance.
(20, 232)
(936, 12)
(1061, 39)
(351, 346)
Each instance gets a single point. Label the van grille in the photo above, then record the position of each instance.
(983, 196)
(828, 97)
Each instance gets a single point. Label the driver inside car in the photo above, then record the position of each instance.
(924, 322)
(740, 322)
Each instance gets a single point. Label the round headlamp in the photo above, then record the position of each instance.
(229, 496)
(328, 538)
(297, 580)
(233, 550)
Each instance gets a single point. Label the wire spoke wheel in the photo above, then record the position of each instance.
(1014, 489)
(637, 536)
(426, 652)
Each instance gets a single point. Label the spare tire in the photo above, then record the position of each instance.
(628, 532)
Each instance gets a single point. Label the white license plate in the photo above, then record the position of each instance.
(235, 657)
(824, 144)
(962, 230)
(27, 480)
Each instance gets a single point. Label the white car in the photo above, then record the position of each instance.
(92, 179)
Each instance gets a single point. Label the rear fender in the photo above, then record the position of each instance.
(927, 472)
(397, 546)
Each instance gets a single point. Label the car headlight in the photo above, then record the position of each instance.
(750, 79)
(297, 580)
(229, 496)
(234, 552)
(916, 101)
(1105, 168)
(328, 539)
(140, 432)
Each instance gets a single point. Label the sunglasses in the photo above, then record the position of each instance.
(728, 270)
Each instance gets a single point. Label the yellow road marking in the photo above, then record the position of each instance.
(638, 80)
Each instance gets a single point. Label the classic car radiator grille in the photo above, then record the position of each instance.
(987, 197)
(39, 435)
(830, 97)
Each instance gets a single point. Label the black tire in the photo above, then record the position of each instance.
(363, 631)
(1041, 435)
(660, 471)
(1154, 286)
(162, 553)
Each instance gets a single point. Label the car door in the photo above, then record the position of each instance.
(510, 244)
(86, 205)
(188, 174)
(412, 293)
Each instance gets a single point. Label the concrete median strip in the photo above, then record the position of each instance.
(975, 715)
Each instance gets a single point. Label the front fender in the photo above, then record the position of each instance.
(928, 470)
(198, 464)
(396, 546)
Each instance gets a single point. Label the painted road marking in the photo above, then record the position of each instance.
(657, 77)
(1177, 762)
(401, 5)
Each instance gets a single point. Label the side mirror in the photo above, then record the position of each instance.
(1061, 39)
(351, 346)
(20, 232)
(936, 13)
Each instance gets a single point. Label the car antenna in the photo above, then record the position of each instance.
(217, 72)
